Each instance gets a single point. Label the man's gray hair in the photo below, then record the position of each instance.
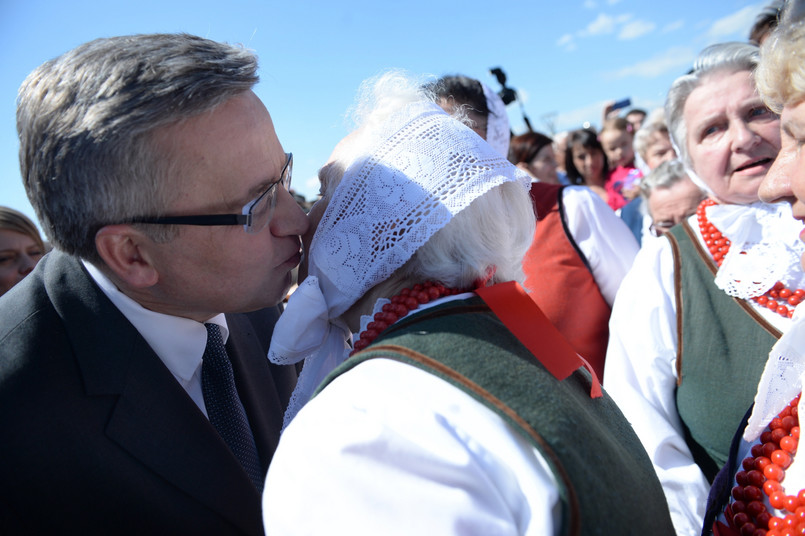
(663, 176)
(730, 57)
(85, 122)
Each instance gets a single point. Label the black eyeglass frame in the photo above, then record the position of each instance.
(245, 219)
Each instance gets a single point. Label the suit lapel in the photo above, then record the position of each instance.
(160, 425)
(154, 418)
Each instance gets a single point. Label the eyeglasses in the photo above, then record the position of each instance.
(256, 213)
(661, 227)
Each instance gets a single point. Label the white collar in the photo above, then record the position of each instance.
(179, 342)
(759, 233)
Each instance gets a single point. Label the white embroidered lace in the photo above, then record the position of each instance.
(781, 380)
(427, 169)
(498, 133)
(765, 243)
(424, 169)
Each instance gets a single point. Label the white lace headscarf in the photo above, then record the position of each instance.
(423, 169)
(498, 133)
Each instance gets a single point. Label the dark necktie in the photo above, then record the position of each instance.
(223, 405)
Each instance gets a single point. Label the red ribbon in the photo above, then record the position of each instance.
(521, 314)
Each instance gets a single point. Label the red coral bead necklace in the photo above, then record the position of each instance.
(401, 304)
(762, 474)
(779, 298)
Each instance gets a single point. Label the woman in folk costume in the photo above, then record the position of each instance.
(762, 487)
(461, 410)
(581, 250)
(698, 313)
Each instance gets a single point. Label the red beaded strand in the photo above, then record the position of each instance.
(780, 299)
(401, 304)
(763, 473)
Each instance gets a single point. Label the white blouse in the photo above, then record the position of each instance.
(640, 372)
(390, 449)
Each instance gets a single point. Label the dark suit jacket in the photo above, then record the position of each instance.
(97, 435)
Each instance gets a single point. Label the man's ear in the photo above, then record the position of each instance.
(122, 248)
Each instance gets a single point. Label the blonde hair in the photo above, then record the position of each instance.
(780, 76)
(12, 220)
(618, 124)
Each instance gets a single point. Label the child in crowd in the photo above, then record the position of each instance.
(623, 182)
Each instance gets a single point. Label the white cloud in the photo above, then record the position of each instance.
(567, 42)
(625, 26)
(634, 29)
(737, 23)
(673, 59)
(673, 26)
(604, 24)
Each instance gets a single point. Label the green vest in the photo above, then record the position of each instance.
(605, 480)
(722, 347)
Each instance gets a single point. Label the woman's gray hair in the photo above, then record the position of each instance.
(730, 57)
(494, 230)
(655, 122)
(85, 122)
(663, 176)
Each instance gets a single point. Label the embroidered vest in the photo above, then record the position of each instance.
(559, 278)
(596, 458)
(722, 347)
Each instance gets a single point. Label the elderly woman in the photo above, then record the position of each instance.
(652, 143)
(747, 496)
(686, 348)
(444, 421)
(21, 247)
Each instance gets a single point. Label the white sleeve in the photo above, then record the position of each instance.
(607, 242)
(389, 449)
(640, 375)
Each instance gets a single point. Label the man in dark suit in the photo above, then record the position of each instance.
(158, 177)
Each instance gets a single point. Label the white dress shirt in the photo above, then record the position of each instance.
(179, 342)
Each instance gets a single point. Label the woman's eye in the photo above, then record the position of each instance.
(709, 131)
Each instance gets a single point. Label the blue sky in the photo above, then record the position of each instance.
(565, 58)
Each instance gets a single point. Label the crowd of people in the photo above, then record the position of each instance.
(469, 332)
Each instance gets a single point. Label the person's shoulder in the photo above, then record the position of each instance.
(23, 304)
(583, 199)
(34, 345)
